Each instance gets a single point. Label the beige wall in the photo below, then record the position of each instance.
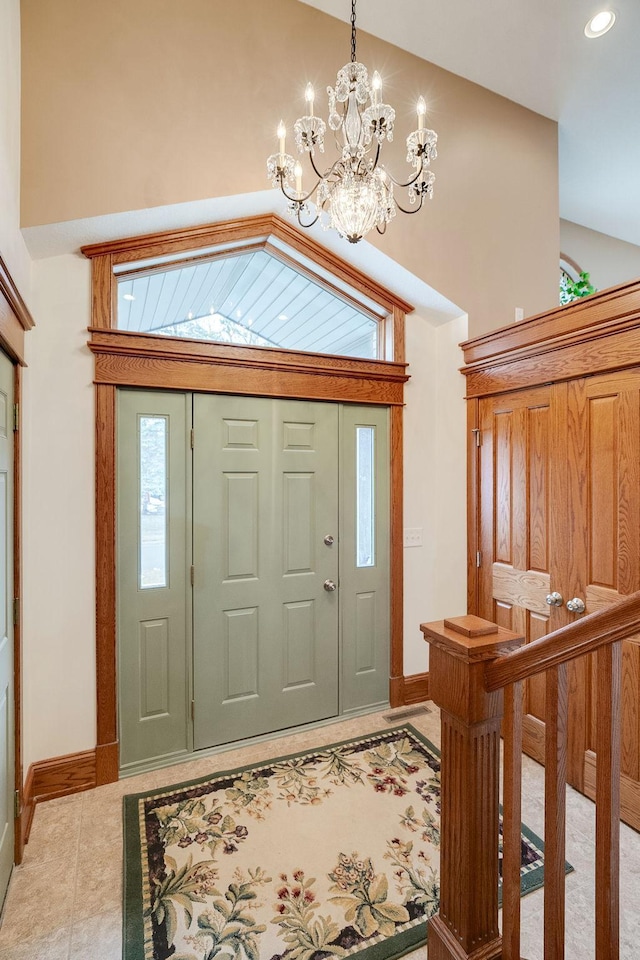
(136, 103)
(608, 261)
(58, 516)
(435, 584)
(58, 437)
(12, 248)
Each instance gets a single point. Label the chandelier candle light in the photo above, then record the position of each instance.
(355, 193)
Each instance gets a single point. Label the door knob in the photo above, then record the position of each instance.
(576, 605)
(554, 599)
(329, 586)
(328, 540)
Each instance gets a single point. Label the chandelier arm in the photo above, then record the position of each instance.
(409, 183)
(329, 172)
(298, 199)
(299, 218)
(415, 208)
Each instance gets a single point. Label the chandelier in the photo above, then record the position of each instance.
(356, 193)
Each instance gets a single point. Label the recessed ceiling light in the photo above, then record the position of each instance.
(128, 296)
(282, 316)
(599, 24)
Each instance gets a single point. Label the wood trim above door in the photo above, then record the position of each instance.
(123, 358)
(258, 228)
(593, 335)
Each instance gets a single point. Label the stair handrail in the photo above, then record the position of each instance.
(473, 662)
(619, 621)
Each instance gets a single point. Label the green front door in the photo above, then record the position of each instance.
(265, 499)
(7, 770)
(253, 568)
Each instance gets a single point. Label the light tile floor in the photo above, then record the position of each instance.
(64, 901)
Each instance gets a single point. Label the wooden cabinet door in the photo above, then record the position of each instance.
(603, 416)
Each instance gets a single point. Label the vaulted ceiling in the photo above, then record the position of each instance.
(536, 54)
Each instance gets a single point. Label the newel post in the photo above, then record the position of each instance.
(466, 928)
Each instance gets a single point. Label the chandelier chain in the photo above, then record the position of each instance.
(353, 31)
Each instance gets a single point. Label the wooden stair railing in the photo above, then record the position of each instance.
(472, 664)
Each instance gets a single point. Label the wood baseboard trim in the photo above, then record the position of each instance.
(415, 688)
(57, 777)
(404, 691)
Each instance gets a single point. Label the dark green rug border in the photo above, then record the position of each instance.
(132, 923)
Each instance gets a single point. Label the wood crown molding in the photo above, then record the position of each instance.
(262, 227)
(11, 293)
(592, 335)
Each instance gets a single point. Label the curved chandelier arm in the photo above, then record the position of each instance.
(296, 199)
(307, 223)
(411, 181)
(328, 173)
(415, 209)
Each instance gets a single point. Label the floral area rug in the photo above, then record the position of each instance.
(329, 853)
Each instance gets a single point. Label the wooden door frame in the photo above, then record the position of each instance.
(15, 321)
(122, 358)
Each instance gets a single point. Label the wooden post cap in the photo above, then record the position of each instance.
(470, 626)
(471, 638)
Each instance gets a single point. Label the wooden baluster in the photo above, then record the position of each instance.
(466, 927)
(511, 821)
(555, 777)
(607, 907)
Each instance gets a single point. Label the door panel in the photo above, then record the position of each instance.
(153, 562)
(265, 496)
(606, 410)
(7, 735)
(515, 529)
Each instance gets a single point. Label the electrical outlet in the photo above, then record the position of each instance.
(519, 314)
(413, 536)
